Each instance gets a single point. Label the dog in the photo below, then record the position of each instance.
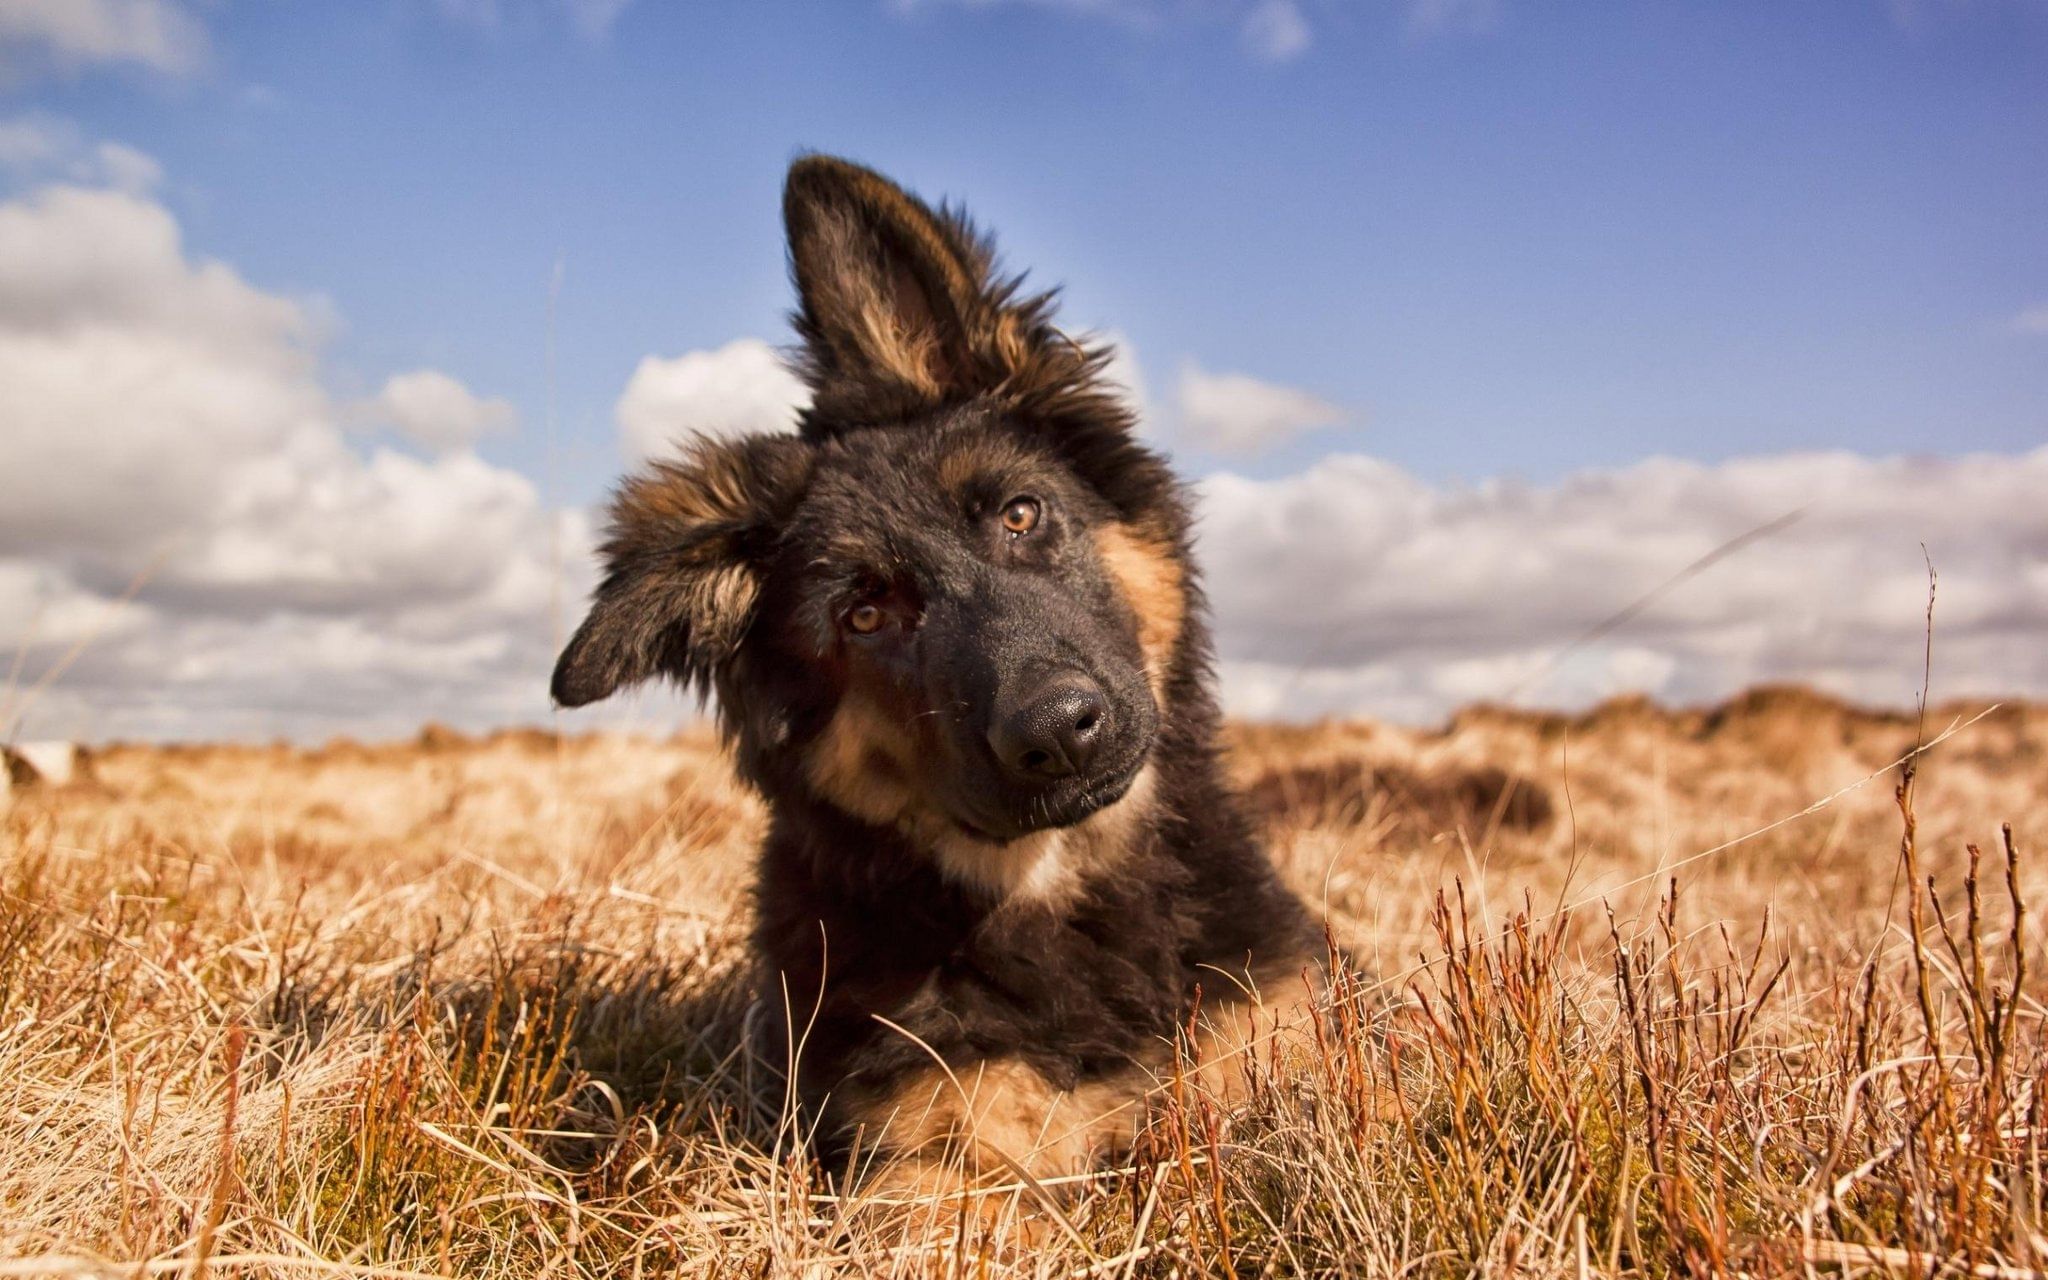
(957, 641)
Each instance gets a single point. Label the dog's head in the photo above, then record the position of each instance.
(953, 602)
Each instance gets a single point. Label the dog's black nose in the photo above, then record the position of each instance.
(1053, 731)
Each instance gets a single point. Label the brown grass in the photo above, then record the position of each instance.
(476, 1007)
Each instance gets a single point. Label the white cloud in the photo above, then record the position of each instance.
(69, 35)
(436, 411)
(29, 143)
(1236, 413)
(166, 418)
(1357, 587)
(2033, 319)
(52, 612)
(131, 372)
(741, 387)
(123, 167)
(1230, 414)
(1276, 31)
(43, 148)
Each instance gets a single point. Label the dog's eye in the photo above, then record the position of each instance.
(1021, 516)
(864, 619)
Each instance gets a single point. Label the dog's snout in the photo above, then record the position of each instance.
(1054, 730)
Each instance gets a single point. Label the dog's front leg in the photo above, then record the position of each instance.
(977, 1139)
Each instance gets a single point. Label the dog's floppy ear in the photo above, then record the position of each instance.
(683, 563)
(899, 310)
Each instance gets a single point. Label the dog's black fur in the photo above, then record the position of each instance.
(956, 640)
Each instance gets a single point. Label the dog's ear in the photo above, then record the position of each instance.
(899, 309)
(902, 311)
(683, 563)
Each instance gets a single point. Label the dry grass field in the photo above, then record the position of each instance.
(1646, 992)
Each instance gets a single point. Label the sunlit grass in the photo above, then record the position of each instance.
(478, 1008)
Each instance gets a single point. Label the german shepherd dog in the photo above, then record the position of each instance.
(956, 640)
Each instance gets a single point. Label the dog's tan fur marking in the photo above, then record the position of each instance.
(889, 283)
(707, 485)
(719, 602)
(680, 590)
(988, 1114)
(987, 461)
(1045, 866)
(865, 764)
(1155, 586)
(862, 763)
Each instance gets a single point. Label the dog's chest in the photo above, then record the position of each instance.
(1119, 958)
(1094, 981)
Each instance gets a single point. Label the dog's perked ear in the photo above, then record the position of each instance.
(899, 308)
(902, 312)
(683, 563)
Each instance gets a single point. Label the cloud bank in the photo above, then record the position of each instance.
(1355, 584)
(67, 36)
(165, 422)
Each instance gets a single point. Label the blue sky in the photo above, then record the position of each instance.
(1520, 238)
(1476, 321)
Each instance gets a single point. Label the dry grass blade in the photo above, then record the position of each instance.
(1834, 1253)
